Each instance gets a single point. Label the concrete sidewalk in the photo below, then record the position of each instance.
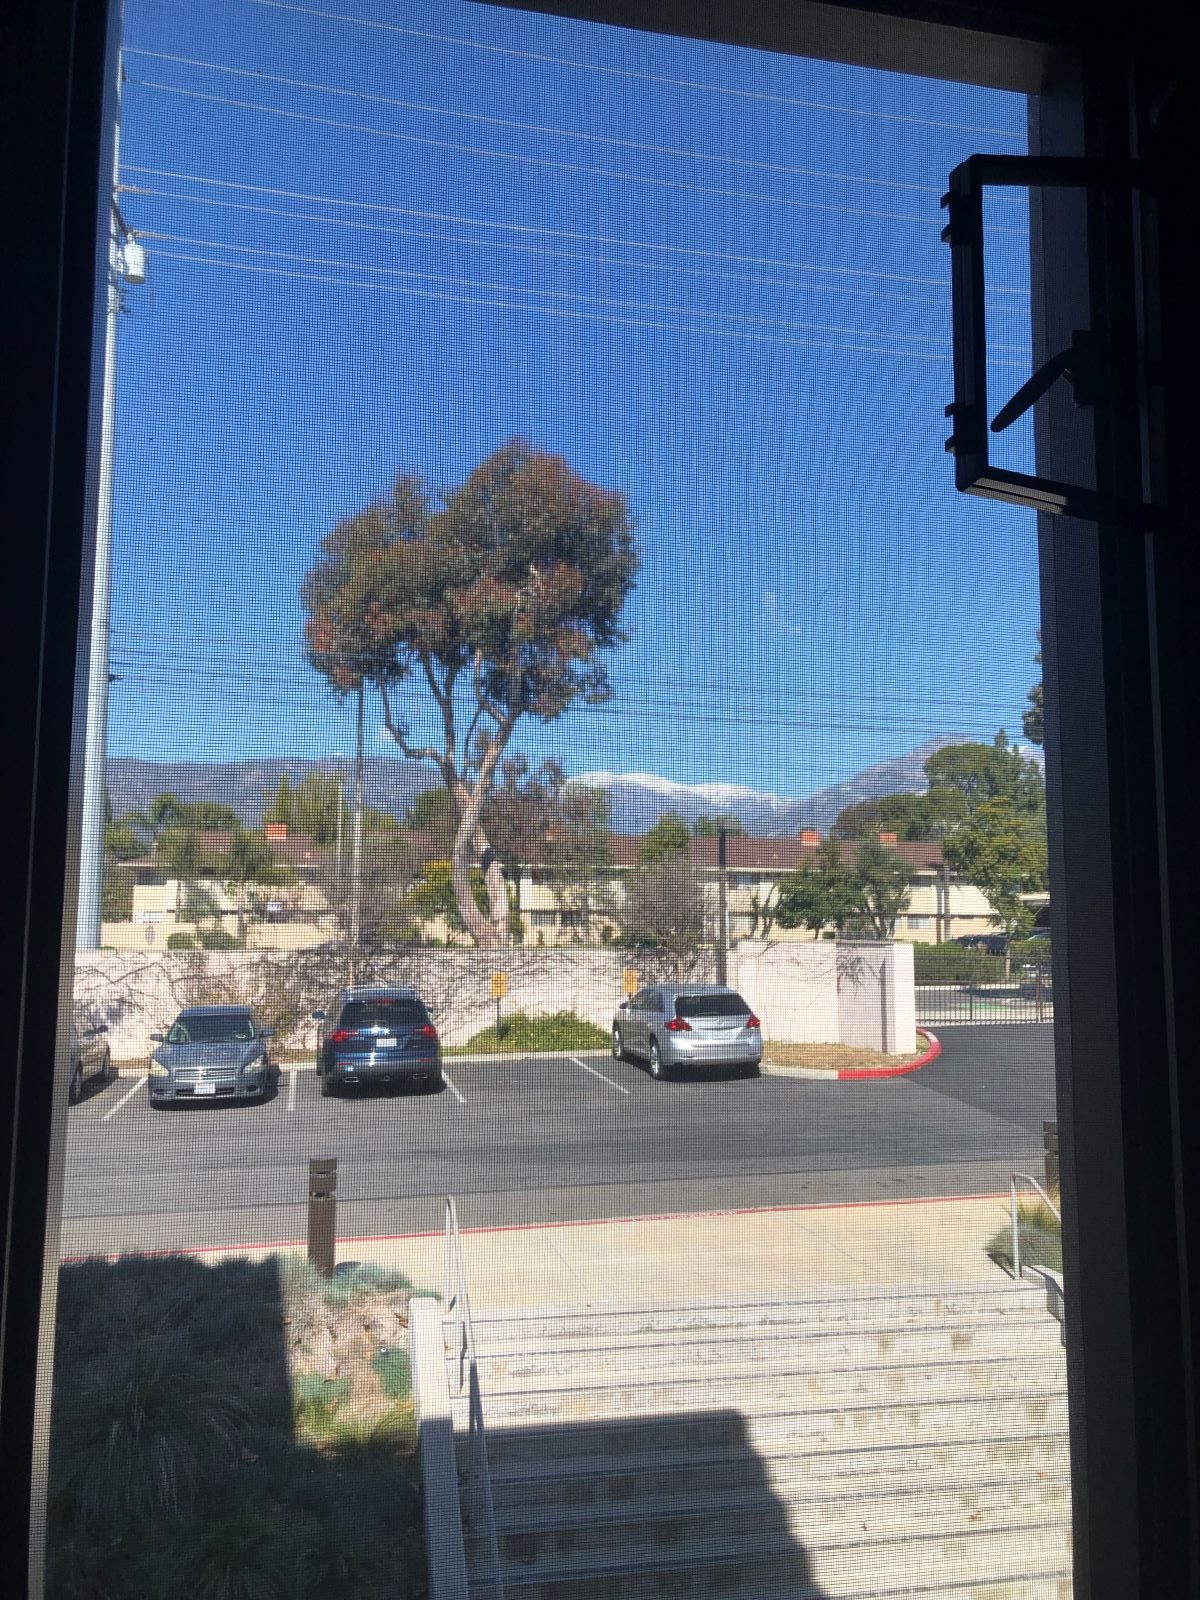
(710, 1256)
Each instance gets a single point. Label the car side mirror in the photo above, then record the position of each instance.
(157, 1037)
(101, 1027)
(318, 1016)
(267, 1033)
(624, 1006)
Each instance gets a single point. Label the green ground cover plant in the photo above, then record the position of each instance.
(235, 1431)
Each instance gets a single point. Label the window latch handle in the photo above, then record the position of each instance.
(1077, 364)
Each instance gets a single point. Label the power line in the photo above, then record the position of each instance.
(560, 233)
(559, 294)
(561, 312)
(573, 167)
(626, 707)
(630, 72)
(541, 251)
(536, 127)
(284, 669)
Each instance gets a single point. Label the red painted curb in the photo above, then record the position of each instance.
(531, 1227)
(934, 1051)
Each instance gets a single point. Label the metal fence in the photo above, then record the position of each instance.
(1027, 997)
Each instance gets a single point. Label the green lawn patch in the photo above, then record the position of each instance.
(239, 1431)
(562, 1031)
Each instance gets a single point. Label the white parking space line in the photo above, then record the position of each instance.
(611, 1082)
(292, 1090)
(125, 1098)
(449, 1082)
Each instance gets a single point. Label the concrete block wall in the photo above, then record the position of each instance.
(815, 991)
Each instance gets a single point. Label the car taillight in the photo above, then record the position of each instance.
(427, 1032)
(752, 1022)
(679, 1025)
(340, 1035)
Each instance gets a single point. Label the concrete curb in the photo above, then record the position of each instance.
(835, 1074)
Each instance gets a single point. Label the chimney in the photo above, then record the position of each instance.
(888, 839)
(276, 832)
(809, 836)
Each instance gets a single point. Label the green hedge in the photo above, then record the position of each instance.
(953, 963)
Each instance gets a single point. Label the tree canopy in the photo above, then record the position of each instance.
(862, 890)
(1033, 721)
(997, 852)
(490, 601)
(668, 837)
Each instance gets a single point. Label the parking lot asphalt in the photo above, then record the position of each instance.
(550, 1139)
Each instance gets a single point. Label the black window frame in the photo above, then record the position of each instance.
(1119, 675)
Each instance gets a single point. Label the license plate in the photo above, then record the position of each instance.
(385, 1044)
(205, 1088)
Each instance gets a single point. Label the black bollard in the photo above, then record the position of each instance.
(322, 1214)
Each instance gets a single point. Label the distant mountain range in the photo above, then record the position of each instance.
(389, 783)
(638, 799)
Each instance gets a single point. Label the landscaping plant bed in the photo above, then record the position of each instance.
(834, 1058)
(232, 1431)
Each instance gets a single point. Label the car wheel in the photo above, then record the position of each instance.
(109, 1075)
(435, 1085)
(658, 1067)
(328, 1087)
(76, 1088)
(618, 1046)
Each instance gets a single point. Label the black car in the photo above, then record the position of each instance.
(377, 1036)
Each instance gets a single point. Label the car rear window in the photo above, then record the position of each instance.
(711, 1005)
(383, 1014)
(222, 1028)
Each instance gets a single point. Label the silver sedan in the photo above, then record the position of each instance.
(693, 1024)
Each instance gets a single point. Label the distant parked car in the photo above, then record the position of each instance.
(377, 1036)
(991, 944)
(91, 1057)
(687, 1024)
(212, 1052)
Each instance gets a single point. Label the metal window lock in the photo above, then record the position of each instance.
(1080, 365)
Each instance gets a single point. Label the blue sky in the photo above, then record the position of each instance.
(709, 277)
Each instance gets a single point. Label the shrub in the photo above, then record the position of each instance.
(217, 939)
(562, 1031)
(180, 941)
(953, 963)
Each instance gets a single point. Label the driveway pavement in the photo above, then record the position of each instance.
(553, 1140)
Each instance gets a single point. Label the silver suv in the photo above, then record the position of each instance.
(687, 1024)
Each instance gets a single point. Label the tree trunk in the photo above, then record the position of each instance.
(463, 857)
(356, 848)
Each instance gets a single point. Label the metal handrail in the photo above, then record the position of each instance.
(479, 1476)
(1014, 1179)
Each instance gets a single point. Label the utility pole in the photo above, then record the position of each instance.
(945, 902)
(722, 910)
(356, 841)
(126, 264)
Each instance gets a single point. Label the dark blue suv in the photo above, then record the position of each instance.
(377, 1036)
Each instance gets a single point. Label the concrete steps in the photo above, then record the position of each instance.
(887, 1445)
(880, 1342)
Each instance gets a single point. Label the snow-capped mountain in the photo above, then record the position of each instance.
(639, 799)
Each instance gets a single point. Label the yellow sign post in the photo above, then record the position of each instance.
(629, 981)
(499, 990)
